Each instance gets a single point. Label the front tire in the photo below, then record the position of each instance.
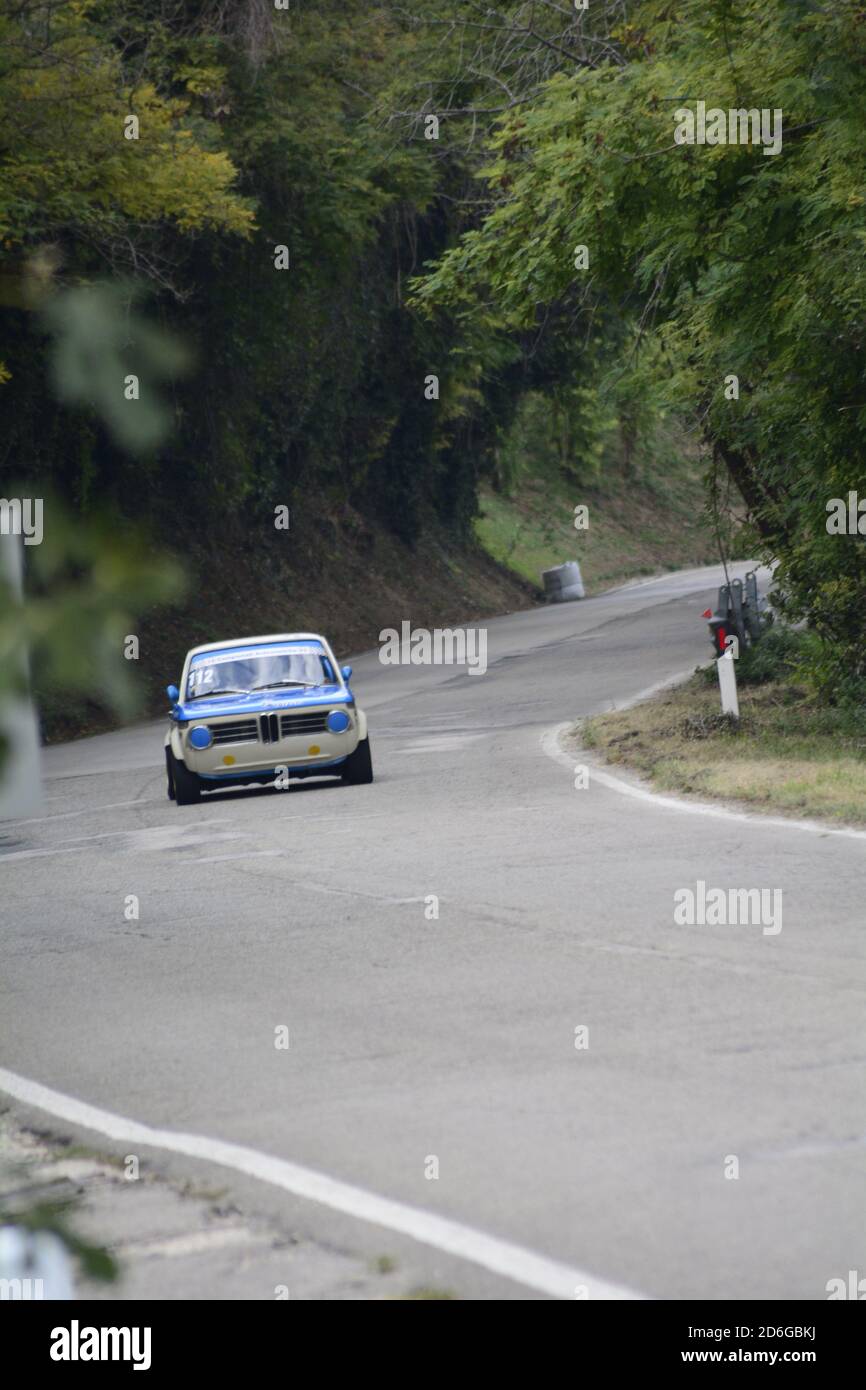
(169, 773)
(187, 787)
(358, 767)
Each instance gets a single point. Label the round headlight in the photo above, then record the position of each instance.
(201, 736)
(338, 721)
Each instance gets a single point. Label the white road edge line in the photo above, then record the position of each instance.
(500, 1257)
(551, 744)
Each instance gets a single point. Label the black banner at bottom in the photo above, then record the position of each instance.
(162, 1339)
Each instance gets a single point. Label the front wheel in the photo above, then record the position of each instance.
(358, 767)
(187, 787)
(169, 773)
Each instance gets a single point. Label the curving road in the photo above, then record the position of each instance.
(454, 1039)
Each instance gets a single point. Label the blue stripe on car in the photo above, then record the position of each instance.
(230, 705)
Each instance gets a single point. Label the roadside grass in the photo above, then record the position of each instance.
(636, 527)
(83, 1151)
(67, 1149)
(790, 754)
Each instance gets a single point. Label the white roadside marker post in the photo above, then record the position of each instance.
(728, 684)
(20, 784)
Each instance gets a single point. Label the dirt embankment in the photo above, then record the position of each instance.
(335, 574)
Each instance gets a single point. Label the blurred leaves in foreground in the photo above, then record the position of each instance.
(101, 342)
(84, 587)
(91, 575)
(53, 1218)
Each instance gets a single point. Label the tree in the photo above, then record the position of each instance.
(735, 261)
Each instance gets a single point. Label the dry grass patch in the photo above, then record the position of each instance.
(788, 755)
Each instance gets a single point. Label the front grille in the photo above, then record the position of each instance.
(314, 722)
(236, 731)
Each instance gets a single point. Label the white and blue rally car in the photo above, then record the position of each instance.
(262, 708)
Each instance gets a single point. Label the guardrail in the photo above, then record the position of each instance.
(740, 612)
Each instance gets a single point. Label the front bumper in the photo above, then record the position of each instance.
(299, 753)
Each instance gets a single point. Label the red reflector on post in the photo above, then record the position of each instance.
(720, 638)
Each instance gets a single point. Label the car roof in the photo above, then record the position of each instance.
(257, 641)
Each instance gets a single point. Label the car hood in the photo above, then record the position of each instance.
(223, 706)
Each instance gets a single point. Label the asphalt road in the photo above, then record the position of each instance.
(455, 1038)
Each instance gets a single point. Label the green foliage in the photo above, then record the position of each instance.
(99, 338)
(86, 582)
(732, 261)
(257, 129)
(67, 164)
(53, 1218)
(777, 656)
(455, 257)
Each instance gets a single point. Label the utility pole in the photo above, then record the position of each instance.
(20, 777)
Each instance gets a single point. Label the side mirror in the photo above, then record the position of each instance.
(173, 693)
(346, 672)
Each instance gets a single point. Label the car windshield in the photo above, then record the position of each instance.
(259, 668)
